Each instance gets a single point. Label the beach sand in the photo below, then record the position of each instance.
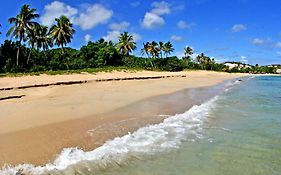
(36, 127)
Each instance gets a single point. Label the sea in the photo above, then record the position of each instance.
(235, 132)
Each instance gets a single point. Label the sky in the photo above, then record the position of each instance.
(227, 30)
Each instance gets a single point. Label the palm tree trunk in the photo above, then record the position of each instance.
(44, 51)
(62, 51)
(66, 63)
(152, 64)
(18, 53)
(28, 58)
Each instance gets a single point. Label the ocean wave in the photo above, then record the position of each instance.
(148, 140)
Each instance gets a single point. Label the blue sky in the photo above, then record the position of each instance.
(239, 30)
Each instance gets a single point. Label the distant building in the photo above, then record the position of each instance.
(274, 65)
(277, 66)
(238, 65)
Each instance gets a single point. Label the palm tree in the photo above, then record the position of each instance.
(43, 41)
(32, 39)
(200, 59)
(23, 22)
(168, 48)
(153, 49)
(144, 50)
(126, 43)
(204, 61)
(212, 63)
(188, 51)
(0, 26)
(161, 48)
(38, 36)
(147, 49)
(62, 32)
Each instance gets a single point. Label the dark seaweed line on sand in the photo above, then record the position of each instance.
(11, 97)
(87, 81)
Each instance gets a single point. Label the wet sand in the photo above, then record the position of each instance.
(37, 127)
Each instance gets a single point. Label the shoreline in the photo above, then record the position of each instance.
(111, 102)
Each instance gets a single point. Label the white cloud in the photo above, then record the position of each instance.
(135, 4)
(112, 36)
(238, 28)
(152, 20)
(258, 41)
(94, 15)
(184, 25)
(278, 44)
(194, 56)
(176, 38)
(137, 37)
(87, 38)
(243, 59)
(161, 8)
(279, 54)
(119, 26)
(55, 10)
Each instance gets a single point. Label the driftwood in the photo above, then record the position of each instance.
(11, 97)
(88, 81)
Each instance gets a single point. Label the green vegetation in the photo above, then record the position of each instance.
(31, 51)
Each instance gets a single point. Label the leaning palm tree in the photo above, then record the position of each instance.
(62, 32)
(188, 51)
(168, 48)
(23, 22)
(126, 43)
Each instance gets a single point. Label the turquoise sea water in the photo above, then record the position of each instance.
(242, 135)
(235, 133)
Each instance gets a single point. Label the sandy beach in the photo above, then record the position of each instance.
(36, 127)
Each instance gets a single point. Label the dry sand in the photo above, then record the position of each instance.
(38, 126)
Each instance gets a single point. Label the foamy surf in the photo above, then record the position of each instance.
(149, 140)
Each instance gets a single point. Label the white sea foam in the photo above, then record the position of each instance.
(165, 136)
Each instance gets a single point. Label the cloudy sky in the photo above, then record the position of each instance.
(239, 30)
